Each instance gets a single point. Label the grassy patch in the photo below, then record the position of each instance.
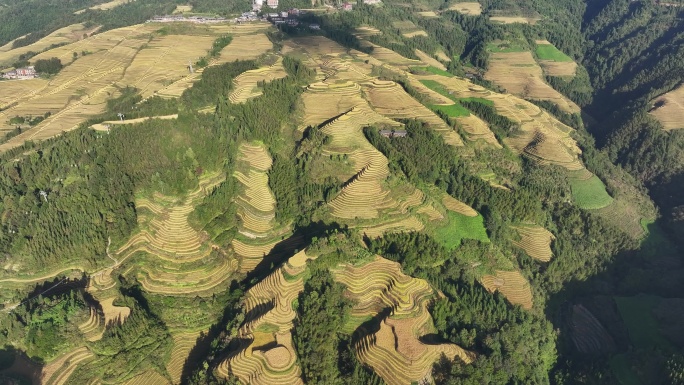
(550, 52)
(506, 47)
(461, 227)
(642, 326)
(433, 70)
(452, 111)
(590, 194)
(656, 243)
(622, 370)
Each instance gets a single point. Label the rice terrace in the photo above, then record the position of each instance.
(306, 192)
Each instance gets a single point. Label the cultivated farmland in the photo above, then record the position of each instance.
(553, 61)
(246, 84)
(266, 354)
(535, 241)
(512, 285)
(395, 351)
(64, 35)
(471, 8)
(669, 108)
(520, 74)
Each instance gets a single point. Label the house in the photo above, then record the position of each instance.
(294, 12)
(393, 133)
(315, 27)
(372, 2)
(284, 14)
(21, 73)
(272, 3)
(347, 6)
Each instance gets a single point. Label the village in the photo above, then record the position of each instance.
(21, 74)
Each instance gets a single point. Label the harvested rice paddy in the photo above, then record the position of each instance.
(535, 241)
(519, 74)
(66, 35)
(514, 19)
(553, 61)
(395, 351)
(512, 285)
(669, 108)
(471, 8)
(131, 56)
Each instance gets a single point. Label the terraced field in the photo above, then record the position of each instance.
(519, 74)
(58, 371)
(94, 327)
(69, 34)
(246, 47)
(256, 207)
(390, 99)
(588, 335)
(324, 100)
(514, 19)
(246, 84)
(106, 6)
(396, 351)
(553, 61)
(177, 260)
(535, 241)
(182, 344)
(669, 108)
(477, 129)
(267, 355)
(540, 136)
(471, 8)
(131, 56)
(512, 285)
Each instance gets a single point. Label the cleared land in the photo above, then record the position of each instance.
(535, 241)
(553, 61)
(389, 99)
(396, 350)
(460, 227)
(177, 259)
(117, 58)
(467, 8)
(256, 207)
(512, 285)
(106, 6)
(64, 35)
(588, 334)
(266, 354)
(520, 74)
(669, 108)
(245, 85)
(589, 193)
(429, 60)
(246, 47)
(408, 29)
(514, 19)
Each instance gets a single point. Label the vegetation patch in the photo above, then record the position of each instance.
(643, 328)
(590, 193)
(432, 70)
(461, 227)
(550, 52)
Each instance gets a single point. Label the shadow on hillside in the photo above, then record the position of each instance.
(300, 239)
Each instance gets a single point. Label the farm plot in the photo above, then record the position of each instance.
(553, 61)
(325, 100)
(535, 241)
(175, 258)
(150, 377)
(588, 335)
(588, 191)
(512, 285)
(267, 355)
(256, 207)
(477, 129)
(408, 29)
(471, 8)
(182, 344)
(246, 84)
(389, 99)
(58, 371)
(395, 351)
(520, 74)
(94, 327)
(163, 60)
(388, 56)
(669, 108)
(64, 35)
(105, 6)
(540, 136)
(514, 19)
(429, 60)
(245, 47)
(319, 45)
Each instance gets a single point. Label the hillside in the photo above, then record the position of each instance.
(411, 193)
